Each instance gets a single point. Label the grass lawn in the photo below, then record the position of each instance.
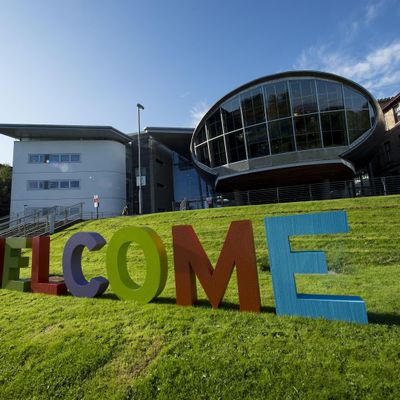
(69, 347)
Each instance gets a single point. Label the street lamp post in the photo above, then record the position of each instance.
(139, 107)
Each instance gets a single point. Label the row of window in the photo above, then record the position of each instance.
(54, 158)
(285, 135)
(280, 100)
(53, 184)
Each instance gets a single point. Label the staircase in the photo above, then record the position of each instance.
(40, 221)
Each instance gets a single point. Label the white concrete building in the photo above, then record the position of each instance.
(66, 166)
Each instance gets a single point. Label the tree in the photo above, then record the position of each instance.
(5, 189)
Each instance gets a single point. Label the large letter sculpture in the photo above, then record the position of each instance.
(72, 265)
(13, 262)
(40, 268)
(285, 263)
(191, 260)
(156, 261)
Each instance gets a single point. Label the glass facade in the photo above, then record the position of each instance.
(286, 115)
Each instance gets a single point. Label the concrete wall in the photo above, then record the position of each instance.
(101, 171)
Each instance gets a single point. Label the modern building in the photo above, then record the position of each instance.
(287, 129)
(294, 128)
(66, 166)
(386, 160)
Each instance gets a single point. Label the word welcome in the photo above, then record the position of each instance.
(191, 262)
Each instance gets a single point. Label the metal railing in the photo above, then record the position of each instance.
(40, 221)
(359, 187)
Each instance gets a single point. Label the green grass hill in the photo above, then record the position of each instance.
(105, 348)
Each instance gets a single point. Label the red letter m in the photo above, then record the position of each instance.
(191, 261)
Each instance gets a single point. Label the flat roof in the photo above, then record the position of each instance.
(175, 139)
(63, 132)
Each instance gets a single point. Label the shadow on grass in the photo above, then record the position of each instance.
(225, 305)
(383, 319)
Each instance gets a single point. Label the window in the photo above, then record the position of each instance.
(201, 136)
(330, 96)
(333, 128)
(53, 158)
(217, 150)
(358, 122)
(53, 184)
(64, 184)
(303, 96)
(257, 141)
(281, 136)
(231, 115)
(33, 185)
(160, 185)
(253, 107)
(396, 112)
(277, 100)
(236, 148)
(214, 125)
(354, 100)
(75, 158)
(202, 154)
(307, 130)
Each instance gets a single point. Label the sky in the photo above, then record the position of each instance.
(89, 62)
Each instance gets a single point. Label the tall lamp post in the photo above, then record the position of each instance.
(139, 107)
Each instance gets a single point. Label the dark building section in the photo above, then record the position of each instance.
(170, 176)
(386, 161)
(298, 127)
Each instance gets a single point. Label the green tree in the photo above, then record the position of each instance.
(5, 189)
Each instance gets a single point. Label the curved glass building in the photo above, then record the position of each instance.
(285, 129)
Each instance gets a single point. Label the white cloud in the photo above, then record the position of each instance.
(378, 71)
(372, 10)
(198, 111)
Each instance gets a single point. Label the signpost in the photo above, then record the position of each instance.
(96, 204)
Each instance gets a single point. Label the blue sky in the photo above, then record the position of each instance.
(91, 61)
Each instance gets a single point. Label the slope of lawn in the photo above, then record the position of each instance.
(69, 347)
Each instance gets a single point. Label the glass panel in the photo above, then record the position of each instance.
(330, 96)
(53, 184)
(253, 107)
(308, 134)
(214, 125)
(236, 148)
(357, 123)
(202, 154)
(277, 100)
(231, 115)
(303, 96)
(354, 100)
(257, 141)
(75, 157)
(64, 157)
(64, 184)
(74, 184)
(217, 150)
(334, 129)
(396, 111)
(281, 136)
(33, 185)
(33, 158)
(54, 158)
(43, 184)
(201, 136)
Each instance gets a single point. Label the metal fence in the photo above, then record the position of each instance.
(359, 187)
